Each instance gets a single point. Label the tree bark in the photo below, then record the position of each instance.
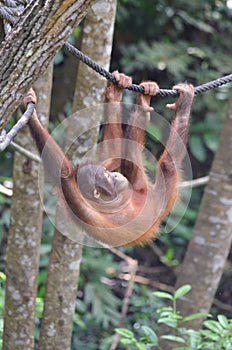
(61, 289)
(27, 50)
(22, 260)
(212, 236)
(209, 247)
(1, 30)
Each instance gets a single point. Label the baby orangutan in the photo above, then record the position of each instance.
(113, 199)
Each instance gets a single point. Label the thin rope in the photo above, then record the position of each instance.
(163, 92)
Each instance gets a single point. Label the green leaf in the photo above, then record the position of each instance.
(126, 341)
(163, 295)
(194, 338)
(197, 148)
(125, 333)
(210, 345)
(223, 321)
(45, 249)
(211, 141)
(194, 317)
(154, 131)
(182, 291)
(2, 276)
(210, 335)
(173, 338)
(214, 326)
(166, 313)
(169, 322)
(164, 309)
(201, 25)
(140, 346)
(150, 334)
(77, 320)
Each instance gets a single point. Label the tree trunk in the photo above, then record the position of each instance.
(22, 260)
(31, 45)
(1, 30)
(61, 289)
(210, 245)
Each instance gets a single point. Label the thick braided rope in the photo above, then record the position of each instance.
(163, 92)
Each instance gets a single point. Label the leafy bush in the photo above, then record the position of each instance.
(216, 334)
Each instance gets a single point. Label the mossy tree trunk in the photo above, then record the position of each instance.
(29, 48)
(209, 247)
(65, 258)
(22, 259)
(212, 236)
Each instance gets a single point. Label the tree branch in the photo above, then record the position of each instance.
(17, 127)
(195, 183)
(29, 48)
(25, 152)
(132, 266)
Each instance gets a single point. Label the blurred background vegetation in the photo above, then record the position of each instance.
(167, 41)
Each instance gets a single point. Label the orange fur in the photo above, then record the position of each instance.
(135, 217)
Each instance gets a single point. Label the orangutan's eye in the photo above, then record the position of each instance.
(96, 194)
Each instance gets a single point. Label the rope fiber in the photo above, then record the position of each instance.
(11, 10)
(163, 92)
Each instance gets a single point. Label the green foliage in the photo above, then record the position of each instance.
(101, 300)
(168, 41)
(158, 56)
(177, 49)
(216, 334)
(2, 297)
(142, 307)
(197, 148)
(179, 41)
(128, 338)
(97, 308)
(97, 297)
